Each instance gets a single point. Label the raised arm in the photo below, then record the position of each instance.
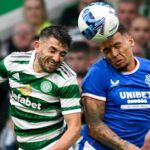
(72, 133)
(94, 111)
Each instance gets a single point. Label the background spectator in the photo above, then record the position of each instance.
(78, 59)
(140, 31)
(127, 11)
(21, 40)
(35, 14)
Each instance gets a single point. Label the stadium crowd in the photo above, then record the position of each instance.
(133, 14)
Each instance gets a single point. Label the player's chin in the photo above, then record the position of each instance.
(118, 66)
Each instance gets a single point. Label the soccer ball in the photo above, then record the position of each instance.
(98, 21)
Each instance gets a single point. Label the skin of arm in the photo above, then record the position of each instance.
(72, 133)
(94, 111)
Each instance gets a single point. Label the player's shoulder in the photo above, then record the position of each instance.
(143, 60)
(144, 63)
(101, 66)
(66, 72)
(21, 55)
(17, 59)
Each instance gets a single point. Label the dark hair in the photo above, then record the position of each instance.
(57, 31)
(41, 1)
(122, 29)
(80, 46)
(135, 2)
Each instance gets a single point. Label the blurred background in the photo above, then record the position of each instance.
(22, 20)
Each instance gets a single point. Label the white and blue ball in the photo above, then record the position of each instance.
(98, 21)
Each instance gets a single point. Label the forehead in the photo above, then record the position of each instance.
(137, 23)
(32, 3)
(53, 42)
(127, 6)
(116, 38)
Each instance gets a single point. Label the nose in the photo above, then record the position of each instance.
(56, 57)
(114, 52)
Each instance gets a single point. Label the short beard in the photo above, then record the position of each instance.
(124, 68)
(40, 60)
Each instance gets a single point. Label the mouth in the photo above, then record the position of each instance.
(51, 64)
(118, 62)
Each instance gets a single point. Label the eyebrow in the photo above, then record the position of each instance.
(109, 48)
(54, 48)
(117, 43)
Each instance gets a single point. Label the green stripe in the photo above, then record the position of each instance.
(29, 117)
(21, 62)
(38, 145)
(9, 5)
(3, 71)
(71, 108)
(44, 105)
(44, 130)
(71, 91)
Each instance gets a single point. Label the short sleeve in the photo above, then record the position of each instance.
(3, 71)
(70, 96)
(95, 83)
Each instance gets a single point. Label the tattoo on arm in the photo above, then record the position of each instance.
(94, 111)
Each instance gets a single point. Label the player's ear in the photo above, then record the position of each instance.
(131, 41)
(36, 45)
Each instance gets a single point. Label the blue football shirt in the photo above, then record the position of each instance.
(127, 99)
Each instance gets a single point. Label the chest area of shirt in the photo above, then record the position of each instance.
(129, 91)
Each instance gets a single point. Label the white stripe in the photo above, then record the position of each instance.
(42, 137)
(57, 79)
(50, 113)
(49, 146)
(2, 79)
(13, 66)
(70, 81)
(35, 93)
(134, 70)
(71, 111)
(48, 98)
(94, 96)
(70, 102)
(87, 146)
(135, 106)
(29, 125)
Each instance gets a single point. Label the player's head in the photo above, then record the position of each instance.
(118, 50)
(35, 11)
(53, 45)
(127, 11)
(140, 30)
(78, 57)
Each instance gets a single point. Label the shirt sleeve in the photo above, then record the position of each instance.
(70, 97)
(95, 83)
(3, 70)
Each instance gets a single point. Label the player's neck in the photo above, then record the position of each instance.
(36, 66)
(131, 66)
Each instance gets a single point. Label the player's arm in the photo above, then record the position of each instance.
(3, 70)
(94, 111)
(72, 133)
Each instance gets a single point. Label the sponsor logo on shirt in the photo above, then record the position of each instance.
(147, 79)
(114, 83)
(26, 90)
(46, 86)
(25, 101)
